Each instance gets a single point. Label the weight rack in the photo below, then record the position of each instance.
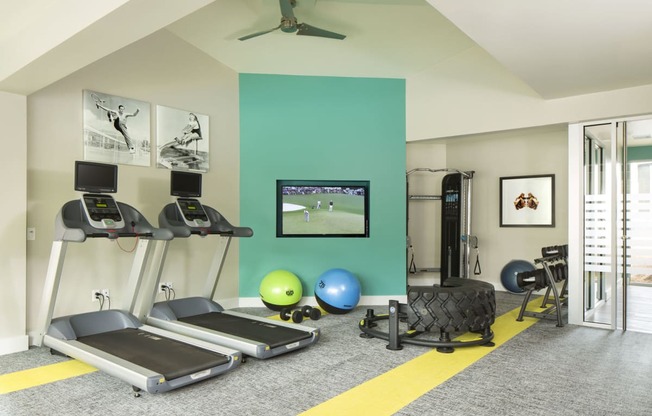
(554, 269)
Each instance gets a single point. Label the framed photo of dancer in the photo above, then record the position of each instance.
(527, 201)
(116, 129)
(182, 139)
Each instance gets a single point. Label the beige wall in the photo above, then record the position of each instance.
(13, 117)
(532, 151)
(159, 69)
(472, 93)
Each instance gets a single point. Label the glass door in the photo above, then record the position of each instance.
(617, 225)
(637, 227)
(599, 273)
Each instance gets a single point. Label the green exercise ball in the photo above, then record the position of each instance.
(280, 289)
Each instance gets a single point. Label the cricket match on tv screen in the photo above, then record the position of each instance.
(324, 210)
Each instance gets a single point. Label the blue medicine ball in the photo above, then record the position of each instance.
(509, 272)
(337, 291)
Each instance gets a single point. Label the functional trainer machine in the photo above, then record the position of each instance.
(200, 316)
(455, 233)
(113, 340)
(458, 303)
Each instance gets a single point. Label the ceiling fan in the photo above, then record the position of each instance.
(289, 24)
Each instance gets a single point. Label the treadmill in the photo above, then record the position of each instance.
(114, 340)
(199, 316)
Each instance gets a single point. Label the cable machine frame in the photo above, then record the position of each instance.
(467, 240)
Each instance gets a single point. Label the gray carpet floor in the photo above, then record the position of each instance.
(545, 370)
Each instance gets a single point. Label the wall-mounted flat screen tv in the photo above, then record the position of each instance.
(93, 177)
(185, 184)
(328, 208)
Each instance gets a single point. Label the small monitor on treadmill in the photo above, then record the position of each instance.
(96, 177)
(95, 180)
(185, 184)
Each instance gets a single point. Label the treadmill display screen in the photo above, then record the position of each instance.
(99, 208)
(192, 209)
(185, 184)
(96, 177)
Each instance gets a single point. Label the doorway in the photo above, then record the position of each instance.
(615, 235)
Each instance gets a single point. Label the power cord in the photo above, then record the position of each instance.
(168, 291)
(102, 298)
(131, 250)
(133, 229)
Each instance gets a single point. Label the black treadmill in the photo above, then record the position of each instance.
(114, 340)
(199, 316)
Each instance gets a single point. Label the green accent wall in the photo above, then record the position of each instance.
(324, 128)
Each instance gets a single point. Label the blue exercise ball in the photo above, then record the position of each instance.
(337, 291)
(509, 272)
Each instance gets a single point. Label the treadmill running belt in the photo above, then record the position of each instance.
(171, 358)
(255, 330)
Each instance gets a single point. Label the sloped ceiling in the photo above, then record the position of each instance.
(562, 48)
(559, 48)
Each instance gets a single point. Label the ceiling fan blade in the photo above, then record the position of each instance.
(253, 35)
(307, 30)
(286, 8)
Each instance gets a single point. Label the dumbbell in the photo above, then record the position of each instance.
(310, 312)
(287, 313)
(297, 315)
(532, 279)
(560, 272)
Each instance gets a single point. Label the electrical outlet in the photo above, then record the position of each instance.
(95, 294)
(106, 293)
(163, 286)
(31, 234)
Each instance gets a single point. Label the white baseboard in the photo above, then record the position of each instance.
(310, 300)
(10, 345)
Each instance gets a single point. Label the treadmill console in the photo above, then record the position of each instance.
(102, 211)
(193, 212)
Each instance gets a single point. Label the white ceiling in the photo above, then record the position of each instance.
(558, 47)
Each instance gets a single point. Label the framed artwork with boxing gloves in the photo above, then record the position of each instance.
(527, 201)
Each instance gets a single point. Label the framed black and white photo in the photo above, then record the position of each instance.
(116, 129)
(527, 201)
(182, 139)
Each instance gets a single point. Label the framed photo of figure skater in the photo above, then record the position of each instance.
(116, 129)
(527, 201)
(182, 139)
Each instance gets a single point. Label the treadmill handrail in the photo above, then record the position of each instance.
(71, 224)
(171, 218)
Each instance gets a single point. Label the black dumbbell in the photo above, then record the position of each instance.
(310, 312)
(287, 313)
(297, 315)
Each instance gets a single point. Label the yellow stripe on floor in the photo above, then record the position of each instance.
(402, 385)
(42, 375)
